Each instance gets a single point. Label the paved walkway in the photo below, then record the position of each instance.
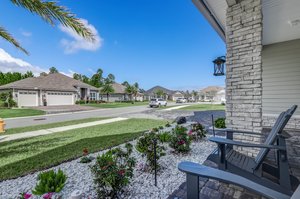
(175, 107)
(57, 129)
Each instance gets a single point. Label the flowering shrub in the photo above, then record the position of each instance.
(146, 147)
(25, 196)
(180, 140)
(165, 137)
(48, 195)
(199, 130)
(113, 171)
(50, 181)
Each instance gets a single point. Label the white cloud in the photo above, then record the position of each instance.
(12, 64)
(78, 43)
(69, 73)
(91, 71)
(26, 34)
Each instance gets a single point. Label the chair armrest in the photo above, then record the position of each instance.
(238, 131)
(203, 171)
(245, 144)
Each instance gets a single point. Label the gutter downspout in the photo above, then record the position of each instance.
(202, 7)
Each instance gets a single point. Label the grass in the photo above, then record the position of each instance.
(20, 157)
(19, 112)
(48, 126)
(204, 107)
(116, 104)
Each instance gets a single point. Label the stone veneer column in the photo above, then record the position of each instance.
(244, 67)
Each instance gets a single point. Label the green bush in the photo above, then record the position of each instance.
(161, 127)
(180, 140)
(220, 123)
(80, 102)
(168, 125)
(50, 181)
(113, 171)
(165, 137)
(199, 130)
(145, 145)
(155, 130)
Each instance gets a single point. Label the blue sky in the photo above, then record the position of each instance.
(152, 42)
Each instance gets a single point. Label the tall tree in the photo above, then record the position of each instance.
(85, 79)
(107, 89)
(97, 79)
(50, 12)
(53, 70)
(129, 90)
(135, 89)
(6, 78)
(77, 76)
(125, 83)
(195, 94)
(111, 78)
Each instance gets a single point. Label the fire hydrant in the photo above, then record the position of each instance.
(2, 125)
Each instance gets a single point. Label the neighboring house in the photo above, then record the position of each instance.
(262, 64)
(177, 94)
(120, 94)
(211, 93)
(151, 93)
(51, 90)
(168, 94)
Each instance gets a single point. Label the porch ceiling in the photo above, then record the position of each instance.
(281, 20)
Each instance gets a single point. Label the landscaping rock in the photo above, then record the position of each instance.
(180, 120)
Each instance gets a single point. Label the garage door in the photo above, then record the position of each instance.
(60, 98)
(27, 98)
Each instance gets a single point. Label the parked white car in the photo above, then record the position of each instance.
(181, 100)
(157, 102)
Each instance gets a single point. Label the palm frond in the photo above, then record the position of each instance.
(51, 12)
(5, 35)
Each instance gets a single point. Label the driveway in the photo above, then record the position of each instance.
(63, 109)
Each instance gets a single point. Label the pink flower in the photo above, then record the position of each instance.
(48, 196)
(27, 195)
(190, 133)
(121, 172)
(181, 142)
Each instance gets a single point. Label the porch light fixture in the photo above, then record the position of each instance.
(219, 65)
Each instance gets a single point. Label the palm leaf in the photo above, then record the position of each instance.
(51, 12)
(5, 35)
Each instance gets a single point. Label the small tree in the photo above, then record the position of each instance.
(195, 94)
(159, 93)
(53, 70)
(129, 90)
(135, 89)
(107, 89)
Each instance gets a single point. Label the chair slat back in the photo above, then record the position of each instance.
(278, 127)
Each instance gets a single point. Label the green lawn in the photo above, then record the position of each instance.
(116, 104)
(204, 107)
(48, 126)
(24, 156)
(19, 112)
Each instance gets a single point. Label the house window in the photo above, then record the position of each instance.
(93, 96)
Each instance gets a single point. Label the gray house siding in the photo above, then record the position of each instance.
(281, 77)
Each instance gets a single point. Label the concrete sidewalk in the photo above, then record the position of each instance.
(57, 129)
(174, 108)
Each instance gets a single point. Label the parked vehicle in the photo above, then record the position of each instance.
(181, 100)
(157, 102)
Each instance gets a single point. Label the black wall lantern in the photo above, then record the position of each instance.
(219, 65)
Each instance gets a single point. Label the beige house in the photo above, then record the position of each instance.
(51, 90)
(120, 94)
(167, 93)
(262, 63)
(211, 93)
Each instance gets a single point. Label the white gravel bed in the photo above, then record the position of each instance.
(141, 186)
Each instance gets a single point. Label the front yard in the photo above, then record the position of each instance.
(19, 112)
(24, 156)
(204, 107)
(116, 104)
